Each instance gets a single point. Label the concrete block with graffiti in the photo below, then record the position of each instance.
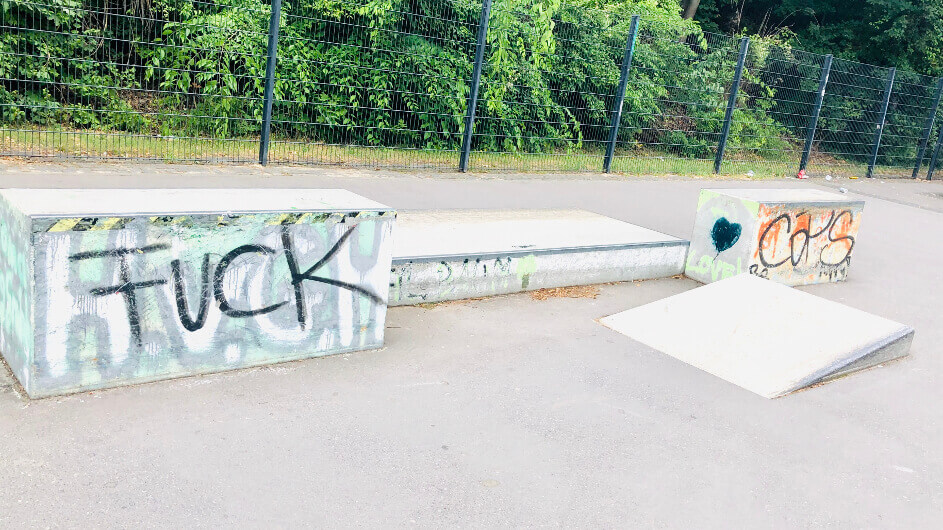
(454, 254)
(111, 287)
(792, 236)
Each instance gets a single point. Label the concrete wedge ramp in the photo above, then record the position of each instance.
(762, 336)
(442, 255)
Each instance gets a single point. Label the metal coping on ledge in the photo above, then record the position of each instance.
(539, 251)
(804, 203)
(136, 215)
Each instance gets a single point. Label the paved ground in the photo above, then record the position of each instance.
(506, 411)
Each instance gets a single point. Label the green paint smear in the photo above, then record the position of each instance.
(366, 230)
(365, 304)
(92, 271)
(705, 196)
(753, 207)
(525, 267)
(718, 212)
(14, 302)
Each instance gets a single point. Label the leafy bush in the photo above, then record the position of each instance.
(392, 73)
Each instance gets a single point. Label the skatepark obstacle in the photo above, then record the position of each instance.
(442, 255)
(792, 236)
(103, 288)
(763, 336)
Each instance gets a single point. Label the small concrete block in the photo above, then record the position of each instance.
(101, 288)
(763, 336)
(792, 236)
(453, 254)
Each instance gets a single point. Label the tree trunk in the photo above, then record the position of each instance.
(691, 8)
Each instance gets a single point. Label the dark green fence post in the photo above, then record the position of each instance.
(881, 122)
(620, 94)
(928, 129)
(475, 83)
(731, 103)
(936, 155)
(814, 120)
(269, 79)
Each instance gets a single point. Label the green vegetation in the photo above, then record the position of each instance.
(903, 33)
(385, 82)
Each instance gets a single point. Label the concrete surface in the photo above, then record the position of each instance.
(469, 233)
(793, 236)
(441, 255)
(117, 295)
(506, 411)
(161, 201)
(763, 336)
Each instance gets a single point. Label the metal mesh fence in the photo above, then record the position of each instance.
(912, 101)
(106, 79)
(677, 96)
(390, 84)
(367, 85)
(547, 107)
(849, 119)
(777, 101)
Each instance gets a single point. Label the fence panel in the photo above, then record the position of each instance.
(775, 110)
(911, 102)
(121, 79)
(850, 114)
(547, 90)
(676, 100)
(366, 84)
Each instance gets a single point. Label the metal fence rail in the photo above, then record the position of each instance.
(445, 84)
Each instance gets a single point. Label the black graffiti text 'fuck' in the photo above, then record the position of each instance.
(211, 285)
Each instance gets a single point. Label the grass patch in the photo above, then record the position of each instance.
(89, 144)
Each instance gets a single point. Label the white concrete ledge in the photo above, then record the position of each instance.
(455, 254)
